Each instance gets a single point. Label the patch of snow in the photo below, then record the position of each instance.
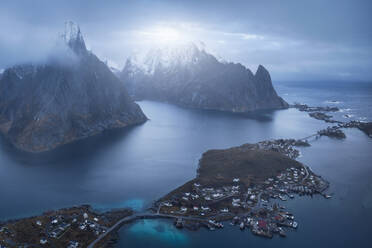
(188, 53)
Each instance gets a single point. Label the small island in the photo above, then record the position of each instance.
(320, 113)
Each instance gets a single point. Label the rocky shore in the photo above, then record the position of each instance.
(306, 108)
(320, 113)
(365, 127)
(333, 132)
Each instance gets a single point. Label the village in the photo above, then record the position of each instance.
(73, 227)
(256, 207)
(253, 200)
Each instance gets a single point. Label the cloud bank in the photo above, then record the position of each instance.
(295, 40)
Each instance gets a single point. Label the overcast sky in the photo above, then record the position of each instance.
(294, 40)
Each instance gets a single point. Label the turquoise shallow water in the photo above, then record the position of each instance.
(160, 232)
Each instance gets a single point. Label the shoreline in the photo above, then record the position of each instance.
(205, 222)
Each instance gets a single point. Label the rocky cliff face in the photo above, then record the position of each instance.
(189, 76)
(62, 100)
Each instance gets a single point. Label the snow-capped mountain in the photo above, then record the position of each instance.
(190, 76)
(168, 57)
(46, 105)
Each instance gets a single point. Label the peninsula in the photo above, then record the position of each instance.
(245, 185)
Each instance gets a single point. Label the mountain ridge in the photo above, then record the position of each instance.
(191, 77)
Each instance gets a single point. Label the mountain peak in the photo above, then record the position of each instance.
(51, 104)
(262, 73)
(73, 38)
(261, 69)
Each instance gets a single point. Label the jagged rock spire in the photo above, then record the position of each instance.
(48, 105)
(73, 38)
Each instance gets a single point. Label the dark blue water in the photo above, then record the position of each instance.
(135, 166)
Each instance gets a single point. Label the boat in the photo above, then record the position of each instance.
(282, 232)
(241, 226)
(211, 228)
(294, 224)
(327, 196)
(282, 198)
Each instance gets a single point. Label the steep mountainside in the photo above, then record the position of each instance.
(189, 76)
(46, 105)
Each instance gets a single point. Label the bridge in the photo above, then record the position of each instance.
(310, 136)
(143, 215)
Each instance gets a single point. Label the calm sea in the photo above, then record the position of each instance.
(135, 166)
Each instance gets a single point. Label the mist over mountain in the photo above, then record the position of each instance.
(71, 96)
(189, 76)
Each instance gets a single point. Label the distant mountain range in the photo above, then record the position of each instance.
(189, 76)
(71, 96)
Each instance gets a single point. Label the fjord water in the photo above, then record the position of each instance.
(134, 166)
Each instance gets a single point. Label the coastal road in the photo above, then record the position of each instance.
(117, 224)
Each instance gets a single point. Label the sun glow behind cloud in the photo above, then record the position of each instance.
(163, 35)
(227, 46)
(246, 46)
